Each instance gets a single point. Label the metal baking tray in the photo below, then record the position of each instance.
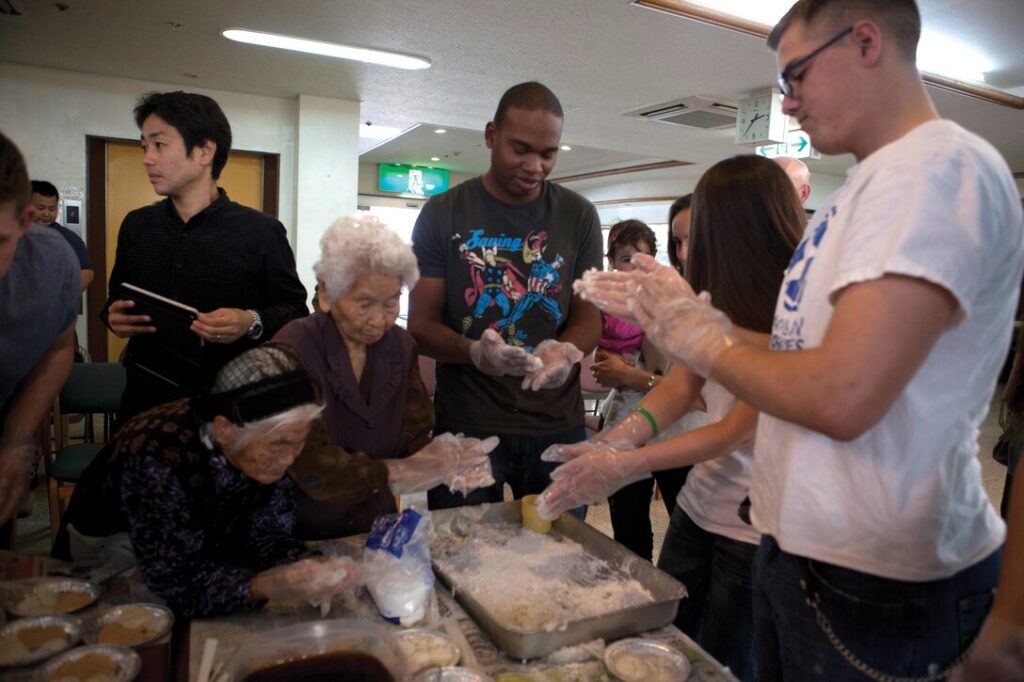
(667, 591)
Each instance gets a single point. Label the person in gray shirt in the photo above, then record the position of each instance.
(39, 293)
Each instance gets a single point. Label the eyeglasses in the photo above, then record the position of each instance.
(786, 75)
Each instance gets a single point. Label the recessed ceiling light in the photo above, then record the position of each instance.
(440, 131)
(435, 158)
(337, 50)
(565, 148)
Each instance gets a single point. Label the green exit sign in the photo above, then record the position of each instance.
(403, 179)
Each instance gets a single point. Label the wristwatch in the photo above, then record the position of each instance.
(256, 328)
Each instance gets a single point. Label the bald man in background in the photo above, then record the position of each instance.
(799, 173)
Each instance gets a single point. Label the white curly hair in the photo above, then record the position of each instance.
(358, 245)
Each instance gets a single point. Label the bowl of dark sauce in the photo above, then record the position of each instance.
(341, 649)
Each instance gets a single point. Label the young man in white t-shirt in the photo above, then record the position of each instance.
(880, 549)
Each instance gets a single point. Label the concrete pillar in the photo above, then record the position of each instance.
(327, 174)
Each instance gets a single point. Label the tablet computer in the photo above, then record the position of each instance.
(172, 356)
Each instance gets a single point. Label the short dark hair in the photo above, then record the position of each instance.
(530, 96)
(631, 233)
(677, 207)
(900, 19)
(45, 188)
(745, 223)
(196, 117)
(14, 185)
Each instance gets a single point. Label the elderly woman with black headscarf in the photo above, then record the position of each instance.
(199, 488)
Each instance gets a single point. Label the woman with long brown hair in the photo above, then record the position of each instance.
(746, 222)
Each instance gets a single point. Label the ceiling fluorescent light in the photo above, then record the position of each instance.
(337, 50)
(960, 70)
(947, 56)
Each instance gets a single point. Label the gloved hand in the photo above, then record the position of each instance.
(591, 477)
(609, 291)
(460, 463)
(557, 359)
(632, 432)
(491, 355)
(685, 327)
(315, 580)
(15, 467)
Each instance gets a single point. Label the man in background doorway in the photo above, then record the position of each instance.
(199, 248)
(39, 297)
(46, 200)
(495, 307)
(799, 174)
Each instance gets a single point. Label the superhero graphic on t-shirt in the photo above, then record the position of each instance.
(499, 286)
(542, 285)
(495, 283)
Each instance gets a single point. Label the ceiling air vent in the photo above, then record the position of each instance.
(694, 112)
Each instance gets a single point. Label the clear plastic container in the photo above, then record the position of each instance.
(296, 650)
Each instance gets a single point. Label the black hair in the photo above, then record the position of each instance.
(197, 118)
(44, 188)
(631, 233)
(530, 96)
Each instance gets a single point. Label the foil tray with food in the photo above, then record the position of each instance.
(533, 593)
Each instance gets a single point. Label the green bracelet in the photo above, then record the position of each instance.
(650, 420)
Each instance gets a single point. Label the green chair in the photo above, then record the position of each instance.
(92, 388)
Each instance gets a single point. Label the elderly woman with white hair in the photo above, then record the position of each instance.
(376, 405)
(198, 489)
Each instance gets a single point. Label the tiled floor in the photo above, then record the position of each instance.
(34, 531)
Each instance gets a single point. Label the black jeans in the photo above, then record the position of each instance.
(630, 509)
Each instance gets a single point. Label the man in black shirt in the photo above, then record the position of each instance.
(231, 263)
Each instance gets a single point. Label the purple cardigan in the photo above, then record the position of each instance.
(392, 370)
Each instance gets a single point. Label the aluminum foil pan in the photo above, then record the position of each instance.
(644, 660)
(14, 650)
(53, 596)
(133, 625)
(424, 649)
(451, 675)
(124, 664)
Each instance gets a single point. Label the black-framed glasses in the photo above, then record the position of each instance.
(786, 74)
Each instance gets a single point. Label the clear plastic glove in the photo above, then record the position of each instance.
(689, 330)
(491, 355)
(631, 432)
(316, 580)
(609, 291)
(591, 477)
(557, 359)
(460, 463)
(15, 466)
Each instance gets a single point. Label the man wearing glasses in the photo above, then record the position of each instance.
(880, 549)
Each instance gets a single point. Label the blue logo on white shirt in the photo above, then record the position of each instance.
(800, 266)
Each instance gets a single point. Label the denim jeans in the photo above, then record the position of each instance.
(717, 572)
(630, 509)
(515, 461)
(898, 628)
